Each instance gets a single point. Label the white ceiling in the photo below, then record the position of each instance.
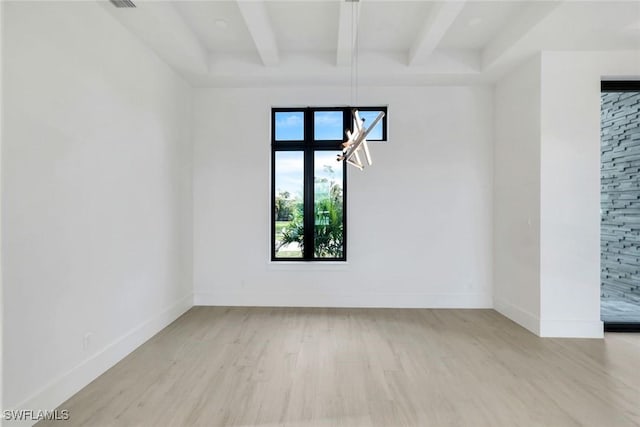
(304, 26)
(480, 22)
(202, 17)
(266, 42)
(391, 25)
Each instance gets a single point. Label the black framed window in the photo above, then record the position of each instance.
(308, 184)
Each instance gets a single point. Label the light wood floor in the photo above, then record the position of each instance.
(363, 367)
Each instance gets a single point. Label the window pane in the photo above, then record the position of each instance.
(289, 126)
(289, 205)
(328, 205)
(369, 117)
(328, 126)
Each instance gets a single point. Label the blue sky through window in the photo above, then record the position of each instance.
(289, 173)
(328, 126)
(369, 117)
(290, 126)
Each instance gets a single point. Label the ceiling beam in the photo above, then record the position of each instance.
(435, 27)
(347, 29)
(376, 68)
(511, 39)
(256, 17)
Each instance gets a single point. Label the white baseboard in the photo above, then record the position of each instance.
(66, 385)
(521, 317)
(382, 300)
(550, 328)
(571, 329)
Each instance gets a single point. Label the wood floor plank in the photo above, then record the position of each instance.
(222, 366)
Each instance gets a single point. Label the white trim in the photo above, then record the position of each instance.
(382, 300)
(521, 317)
(66, 385)
(550, 328)
(572, 328)
(1, 285)
(308, 265)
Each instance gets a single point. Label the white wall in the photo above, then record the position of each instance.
(419, 219)
(96, 197)
(516, 207)
(570, 187)
(547, 263)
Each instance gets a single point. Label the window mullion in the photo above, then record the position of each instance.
(309, 222)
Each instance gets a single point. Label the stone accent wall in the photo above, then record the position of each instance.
(620, 196)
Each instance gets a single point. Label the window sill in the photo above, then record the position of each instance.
(308, 265)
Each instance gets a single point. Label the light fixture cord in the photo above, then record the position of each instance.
(357, 49)
(353, 54)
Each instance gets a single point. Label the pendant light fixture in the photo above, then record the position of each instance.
(356, 143)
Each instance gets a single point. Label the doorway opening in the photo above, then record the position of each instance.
(620, 205)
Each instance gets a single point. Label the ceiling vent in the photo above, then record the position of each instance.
(122, 3)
